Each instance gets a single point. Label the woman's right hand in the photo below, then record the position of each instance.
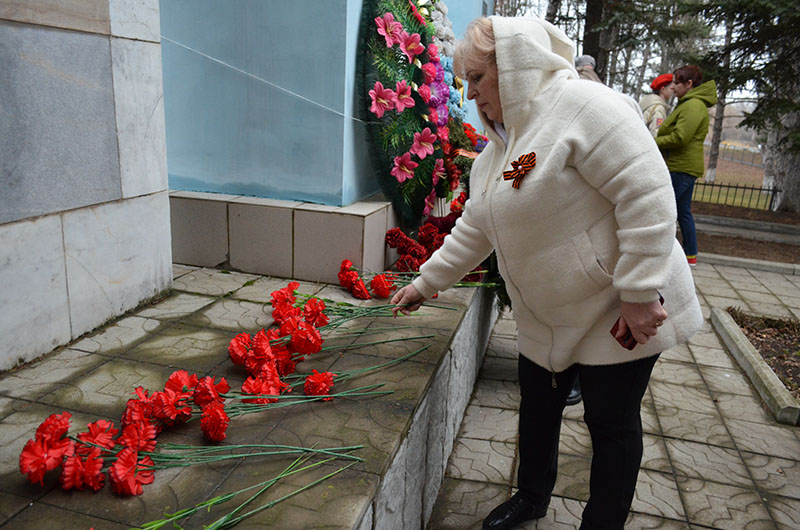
(407, 300)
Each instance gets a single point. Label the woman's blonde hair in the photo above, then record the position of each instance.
(476, 49)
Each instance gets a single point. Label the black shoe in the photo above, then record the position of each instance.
(514, 511)
(574, 396)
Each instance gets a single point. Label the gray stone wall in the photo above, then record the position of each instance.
(84, 208)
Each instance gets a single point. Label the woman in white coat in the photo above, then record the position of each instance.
(574, 196)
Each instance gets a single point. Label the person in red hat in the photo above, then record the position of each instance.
(654, 106)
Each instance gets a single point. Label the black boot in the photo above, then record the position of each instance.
(574, 396)
(514, 511)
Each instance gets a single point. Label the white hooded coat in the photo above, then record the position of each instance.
(591, 224)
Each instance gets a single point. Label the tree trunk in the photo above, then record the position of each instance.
(719, 112)
(591, 35)
(637, 90)
(553, 7)
(784, 166)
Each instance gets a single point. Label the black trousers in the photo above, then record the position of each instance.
(612, 397)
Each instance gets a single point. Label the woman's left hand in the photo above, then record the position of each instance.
(643, 320)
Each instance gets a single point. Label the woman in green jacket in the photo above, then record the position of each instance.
(680, 139)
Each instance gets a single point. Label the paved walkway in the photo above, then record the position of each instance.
(713, 456)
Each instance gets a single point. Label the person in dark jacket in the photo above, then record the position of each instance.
(680, 139)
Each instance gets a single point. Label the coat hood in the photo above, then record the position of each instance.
(706, 92)
(531, 55)
(648, 100)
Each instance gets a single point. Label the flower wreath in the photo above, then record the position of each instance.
(408, 98)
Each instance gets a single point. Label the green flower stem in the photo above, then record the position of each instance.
(232, 522)
(360, 344)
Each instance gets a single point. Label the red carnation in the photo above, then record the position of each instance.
(128, 474)
(313, 312)
(207, 391)
(170, 407)
(139, 436)
(284, 362)
(40, 456)
(359, 290)
(382, 285)
(283, 311)
(285, 295)
(427, 234)
(347, 278)
(136, 410)
(407, 264)
(239, 348)
(266, 385)
(319, 384)
(101, 433)
(214, 422)
(346, 265)
(306, 339)
(181, 381)
(395, 238)
(54, 427)
(78, 473)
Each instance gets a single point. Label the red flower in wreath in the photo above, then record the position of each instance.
(79, 473)
(319, 384)
(101, 433)
(207, 391)
(359, 290)
(214, 422)
(128, 473)
(314, 314)
(382, 285)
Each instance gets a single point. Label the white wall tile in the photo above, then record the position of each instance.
(199, 231)
(118, 254)
(135, 19)
(34, 315)
(261, 239)
(139, 105)
(375, 240)
(322, 240)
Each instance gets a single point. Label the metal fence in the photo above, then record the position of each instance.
(735, 195)
(749, 156)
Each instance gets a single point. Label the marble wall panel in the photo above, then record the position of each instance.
(139, 103)
(322, 240)
(58, 141)
(34, 316)
(118, 255)
(81, 15)
(135, 19)
(261, 236)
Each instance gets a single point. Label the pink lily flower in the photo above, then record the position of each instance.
(403, 167)
(438, 171)
(423, 143)
(389, 28)
(403, 96)
(430, 201)
(410, 45)
(383, 99)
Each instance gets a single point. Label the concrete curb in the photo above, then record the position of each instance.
(756, 264)
(780, 402)
(746, 224)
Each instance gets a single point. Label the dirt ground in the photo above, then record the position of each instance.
(747, 248)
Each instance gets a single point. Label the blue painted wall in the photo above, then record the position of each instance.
(260, 95)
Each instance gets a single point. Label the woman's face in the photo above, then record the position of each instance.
(483, 89)
(667, 91)
(682, 88)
